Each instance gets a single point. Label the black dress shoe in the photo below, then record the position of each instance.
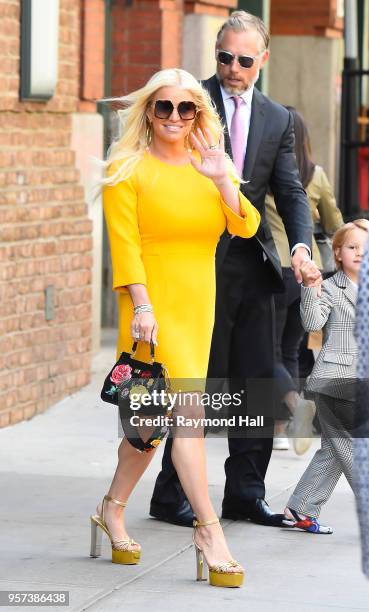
(257, 512)
(176, 515)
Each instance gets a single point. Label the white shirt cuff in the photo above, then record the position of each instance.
(301, 244)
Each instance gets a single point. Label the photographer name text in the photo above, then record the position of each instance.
(182, 421)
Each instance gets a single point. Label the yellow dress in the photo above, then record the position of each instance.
(164, 223)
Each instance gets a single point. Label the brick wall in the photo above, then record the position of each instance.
(136, 44)
(45, 234)
(218, 8)
(147, 36)
(92, 53)
(305, 18)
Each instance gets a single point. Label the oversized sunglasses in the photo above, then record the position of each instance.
(186, 110)
(245, 61)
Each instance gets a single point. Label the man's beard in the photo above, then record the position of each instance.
(237, 91)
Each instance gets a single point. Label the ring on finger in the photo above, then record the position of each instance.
(212, 147)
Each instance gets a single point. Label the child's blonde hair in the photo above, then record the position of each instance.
(340, 236)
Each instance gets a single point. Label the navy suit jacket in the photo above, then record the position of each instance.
(269, 162)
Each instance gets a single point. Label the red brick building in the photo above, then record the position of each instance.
(50, 230)
(45, 229)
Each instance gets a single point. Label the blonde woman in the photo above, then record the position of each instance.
(168, 196)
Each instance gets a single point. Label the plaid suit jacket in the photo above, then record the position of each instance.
(334, 372)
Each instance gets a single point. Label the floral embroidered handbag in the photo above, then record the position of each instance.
(139, 389)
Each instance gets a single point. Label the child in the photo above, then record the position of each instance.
(331, 308)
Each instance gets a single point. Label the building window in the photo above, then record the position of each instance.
(39, 49)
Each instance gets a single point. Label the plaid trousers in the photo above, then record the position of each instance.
(334, 458)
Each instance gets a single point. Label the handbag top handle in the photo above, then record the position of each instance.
(152, 350)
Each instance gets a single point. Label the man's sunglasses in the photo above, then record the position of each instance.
(186, 110)
(226, 58)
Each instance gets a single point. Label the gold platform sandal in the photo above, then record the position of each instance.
(120, 549)
(219, 574)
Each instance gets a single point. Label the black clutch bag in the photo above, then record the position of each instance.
(139, 390)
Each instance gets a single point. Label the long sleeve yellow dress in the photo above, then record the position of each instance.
(164, 223)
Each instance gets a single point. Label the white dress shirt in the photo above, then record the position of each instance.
(245, 110)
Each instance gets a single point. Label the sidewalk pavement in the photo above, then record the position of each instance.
(57, 466)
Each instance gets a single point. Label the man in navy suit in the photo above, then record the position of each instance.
(260, 139)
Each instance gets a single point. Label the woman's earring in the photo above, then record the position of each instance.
(148, 133)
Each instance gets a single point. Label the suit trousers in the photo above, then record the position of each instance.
(289, 333)
(334, 458)
(242, 351)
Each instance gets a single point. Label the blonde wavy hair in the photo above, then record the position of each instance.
(125, 153)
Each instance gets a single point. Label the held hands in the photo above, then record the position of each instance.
(299, 258)
(213, 160)
(144, 327)
(309, 275)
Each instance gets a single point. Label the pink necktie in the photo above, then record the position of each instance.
(238, 134)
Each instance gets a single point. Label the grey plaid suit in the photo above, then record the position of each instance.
(334, 371)
(332, 381)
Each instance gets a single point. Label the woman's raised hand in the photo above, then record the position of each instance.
(213, 160)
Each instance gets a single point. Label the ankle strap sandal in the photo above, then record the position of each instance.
(221, 574)
(122, 551)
